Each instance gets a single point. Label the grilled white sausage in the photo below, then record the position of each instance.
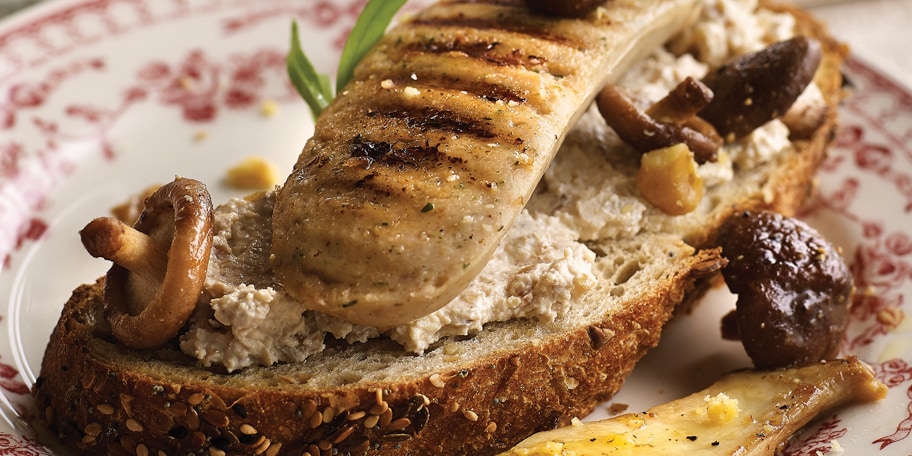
(421, 164)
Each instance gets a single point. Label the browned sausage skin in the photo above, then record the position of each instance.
(419, 167)
(568, 8)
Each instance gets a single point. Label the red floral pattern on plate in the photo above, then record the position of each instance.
(820, 442)
(14, 445)
(895, 373)
(195, 84)
(36, 129)
(872, 147)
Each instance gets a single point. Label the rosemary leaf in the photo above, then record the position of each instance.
(313, 87)
(370, 26)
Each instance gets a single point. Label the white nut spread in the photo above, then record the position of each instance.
(543, 265)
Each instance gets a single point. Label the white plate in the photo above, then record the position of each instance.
(100, 98)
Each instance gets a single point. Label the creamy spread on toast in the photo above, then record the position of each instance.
(544, 263)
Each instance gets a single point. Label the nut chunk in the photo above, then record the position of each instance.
(793, 289)
(668, 179)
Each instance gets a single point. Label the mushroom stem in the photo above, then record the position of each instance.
(160, 263)
(111, 239)
(683, 102)
(645, 133)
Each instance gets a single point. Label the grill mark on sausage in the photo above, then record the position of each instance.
(428, 118)
(367, 153)
(318, 161)
(487, 51)
(444, 82)
(501, 25)
(490, 2)
(479, 50)
(480, 53)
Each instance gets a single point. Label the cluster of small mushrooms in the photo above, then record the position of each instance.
(160, 263)
(793, 286)
(728, 104)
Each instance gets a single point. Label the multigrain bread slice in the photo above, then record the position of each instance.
(472, 395)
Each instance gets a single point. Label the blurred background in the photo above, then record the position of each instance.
(877, 31)
(8, 6)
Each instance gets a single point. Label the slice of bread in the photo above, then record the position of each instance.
(471, 395)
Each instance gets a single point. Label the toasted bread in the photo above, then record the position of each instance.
(471, 395)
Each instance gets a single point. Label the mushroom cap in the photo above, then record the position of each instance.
(794, 289)
(147, 313)
(756, 88)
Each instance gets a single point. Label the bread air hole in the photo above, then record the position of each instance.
(617, 291)
(347, 377)
(626, 271)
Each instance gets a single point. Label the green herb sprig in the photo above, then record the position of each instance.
(315, 87)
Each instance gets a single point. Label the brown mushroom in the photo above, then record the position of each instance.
(756, 88)
(793, 289)
(669, 121)
(682, 103)
(160, 263)
(567, 8)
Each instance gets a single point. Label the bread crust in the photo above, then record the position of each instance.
(796, 180)
(105, 399)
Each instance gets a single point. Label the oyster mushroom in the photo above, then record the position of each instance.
(668, 122)
(159, 263)
(747, 413)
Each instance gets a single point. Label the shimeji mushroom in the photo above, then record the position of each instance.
(794, 289)
(159, 263)
(672, 139)
(668, 122)
(732, 101)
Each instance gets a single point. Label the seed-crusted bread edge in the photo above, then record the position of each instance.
(105, 399)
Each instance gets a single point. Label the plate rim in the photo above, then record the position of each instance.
(854, 61)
